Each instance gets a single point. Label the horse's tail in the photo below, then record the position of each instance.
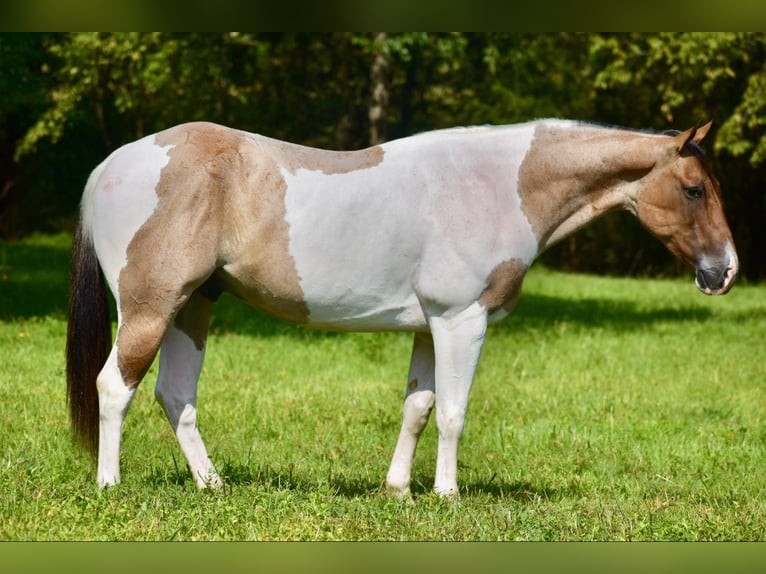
(89, 331)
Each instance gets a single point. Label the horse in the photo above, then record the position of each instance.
(430, 234)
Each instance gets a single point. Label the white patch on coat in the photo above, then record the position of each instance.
(355, 245)
(425, 226)
(123, 198)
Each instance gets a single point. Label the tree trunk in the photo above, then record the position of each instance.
(379, 91)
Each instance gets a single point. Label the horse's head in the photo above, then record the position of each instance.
(681, 205)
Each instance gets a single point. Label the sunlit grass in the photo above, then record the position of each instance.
(603, 409)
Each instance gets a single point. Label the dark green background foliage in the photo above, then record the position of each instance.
(68, 99)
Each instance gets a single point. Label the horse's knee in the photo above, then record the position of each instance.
(450, 422)
(417, 408)
(420, 401)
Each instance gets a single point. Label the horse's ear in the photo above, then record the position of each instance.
(702, 132)
(682, 139)
(692, 134)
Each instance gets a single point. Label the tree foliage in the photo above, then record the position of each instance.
(68, 99)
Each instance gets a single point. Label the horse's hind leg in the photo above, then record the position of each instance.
(145, 323)
(131, 356)
(418, 403)
(181, 355)
(114, 397)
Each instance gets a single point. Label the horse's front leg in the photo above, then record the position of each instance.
(418, 403)
(458, 340)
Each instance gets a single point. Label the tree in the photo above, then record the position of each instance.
(689, 78)
(22, 99)
(84, 94)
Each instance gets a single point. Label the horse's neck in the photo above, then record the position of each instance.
(575, 174)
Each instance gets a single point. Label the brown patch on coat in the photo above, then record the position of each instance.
(571, 175)
(565, 167)
(503, 286)
(294, 157)
(220, 220)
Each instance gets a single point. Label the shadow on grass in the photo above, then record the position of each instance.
(264, 477)
(539, 311)
(268, 478)
(34, 280)
(284, 478)
(522, 492)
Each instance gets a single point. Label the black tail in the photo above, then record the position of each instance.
(89, 339)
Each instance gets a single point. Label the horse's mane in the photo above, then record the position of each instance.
(691, 147)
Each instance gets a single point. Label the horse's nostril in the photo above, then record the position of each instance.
(702, 280)
(715, 280)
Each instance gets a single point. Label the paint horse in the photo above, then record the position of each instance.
(430, 234)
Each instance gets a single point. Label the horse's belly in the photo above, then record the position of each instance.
(327, 304)
(367, 311)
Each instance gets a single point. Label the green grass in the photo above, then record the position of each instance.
(603, 409)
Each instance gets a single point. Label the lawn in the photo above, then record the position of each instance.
(603, 409)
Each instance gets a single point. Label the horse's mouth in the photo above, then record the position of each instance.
(716, 280)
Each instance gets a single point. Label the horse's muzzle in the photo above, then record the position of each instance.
(717, 280)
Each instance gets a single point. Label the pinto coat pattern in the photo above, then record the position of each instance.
(431, 234)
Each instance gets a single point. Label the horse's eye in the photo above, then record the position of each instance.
(694, 192)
